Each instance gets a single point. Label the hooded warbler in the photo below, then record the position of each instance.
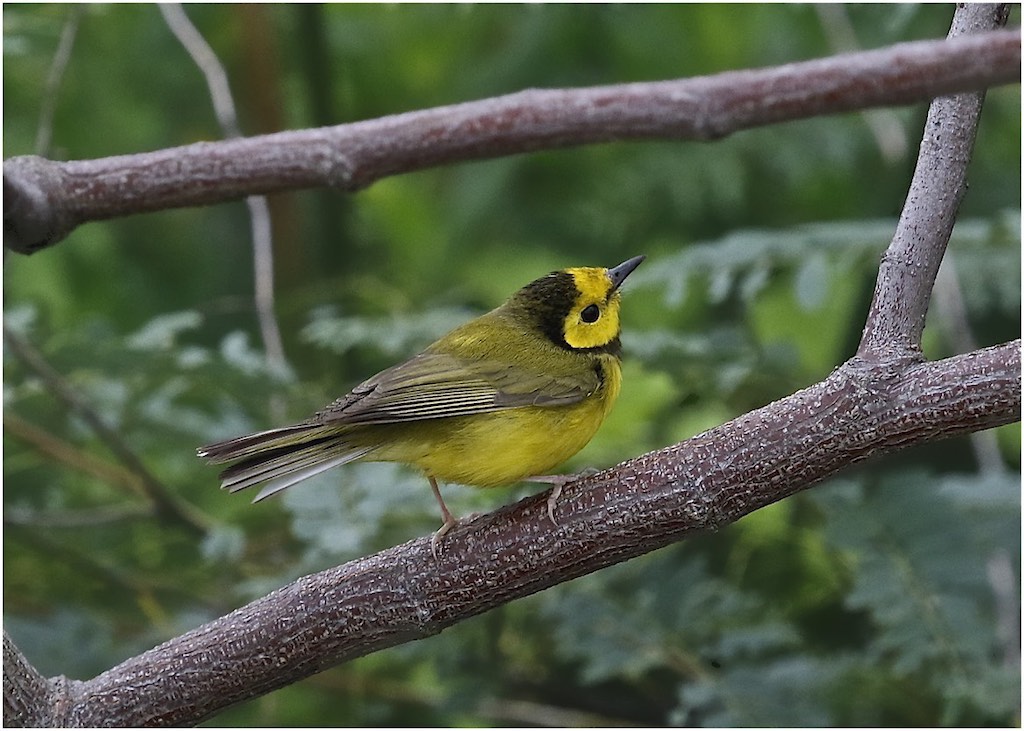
(509, 395)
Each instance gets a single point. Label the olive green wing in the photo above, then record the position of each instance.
(435, 385)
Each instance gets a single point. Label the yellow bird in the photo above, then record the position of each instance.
(509, 395)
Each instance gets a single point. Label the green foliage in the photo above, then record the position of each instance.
(878, 598)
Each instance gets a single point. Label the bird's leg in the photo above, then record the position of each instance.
(449, 521)
(558, 482)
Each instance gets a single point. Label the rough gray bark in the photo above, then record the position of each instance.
(403, 593)
(884, 399)
(45, 200)
(29, 698)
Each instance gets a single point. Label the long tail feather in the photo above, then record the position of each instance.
(260, 442)
(280, 457)
(256, 470)
(276, 486)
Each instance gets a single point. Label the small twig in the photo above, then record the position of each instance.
(61, 57)
(949, 302)
(90, 517)
(504, 709)
(1003, 579)
(144, 586)
(263, 292)
(885, 126)
(542, 715)
(204, 57)
(61, 451)
(84, 563)
(167, 505)
(259, 213)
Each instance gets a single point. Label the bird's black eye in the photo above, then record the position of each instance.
(590, 313)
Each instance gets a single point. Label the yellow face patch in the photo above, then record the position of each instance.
(593, 320)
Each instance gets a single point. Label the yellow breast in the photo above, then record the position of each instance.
(501, 447)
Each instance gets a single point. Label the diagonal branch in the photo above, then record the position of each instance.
(30, 700)
(166, 504)
(910, 264)
(45, 200)
(59, 451)
(61, 57)
(204, 57)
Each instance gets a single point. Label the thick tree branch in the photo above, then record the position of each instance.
(45, 200)
(403, 593)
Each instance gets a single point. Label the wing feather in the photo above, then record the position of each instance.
(433, 385)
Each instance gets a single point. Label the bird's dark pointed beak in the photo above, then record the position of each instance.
(618, 274)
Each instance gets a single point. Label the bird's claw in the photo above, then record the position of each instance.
(556, 492)
(435, 540)
(558, 482)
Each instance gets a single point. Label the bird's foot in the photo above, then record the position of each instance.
(435, 540)
(449, 521)
(558, 482)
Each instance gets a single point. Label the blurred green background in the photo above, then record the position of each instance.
(889, 595)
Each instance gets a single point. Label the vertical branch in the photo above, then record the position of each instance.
(1005, 590)
(259, 214)
(910, 264)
